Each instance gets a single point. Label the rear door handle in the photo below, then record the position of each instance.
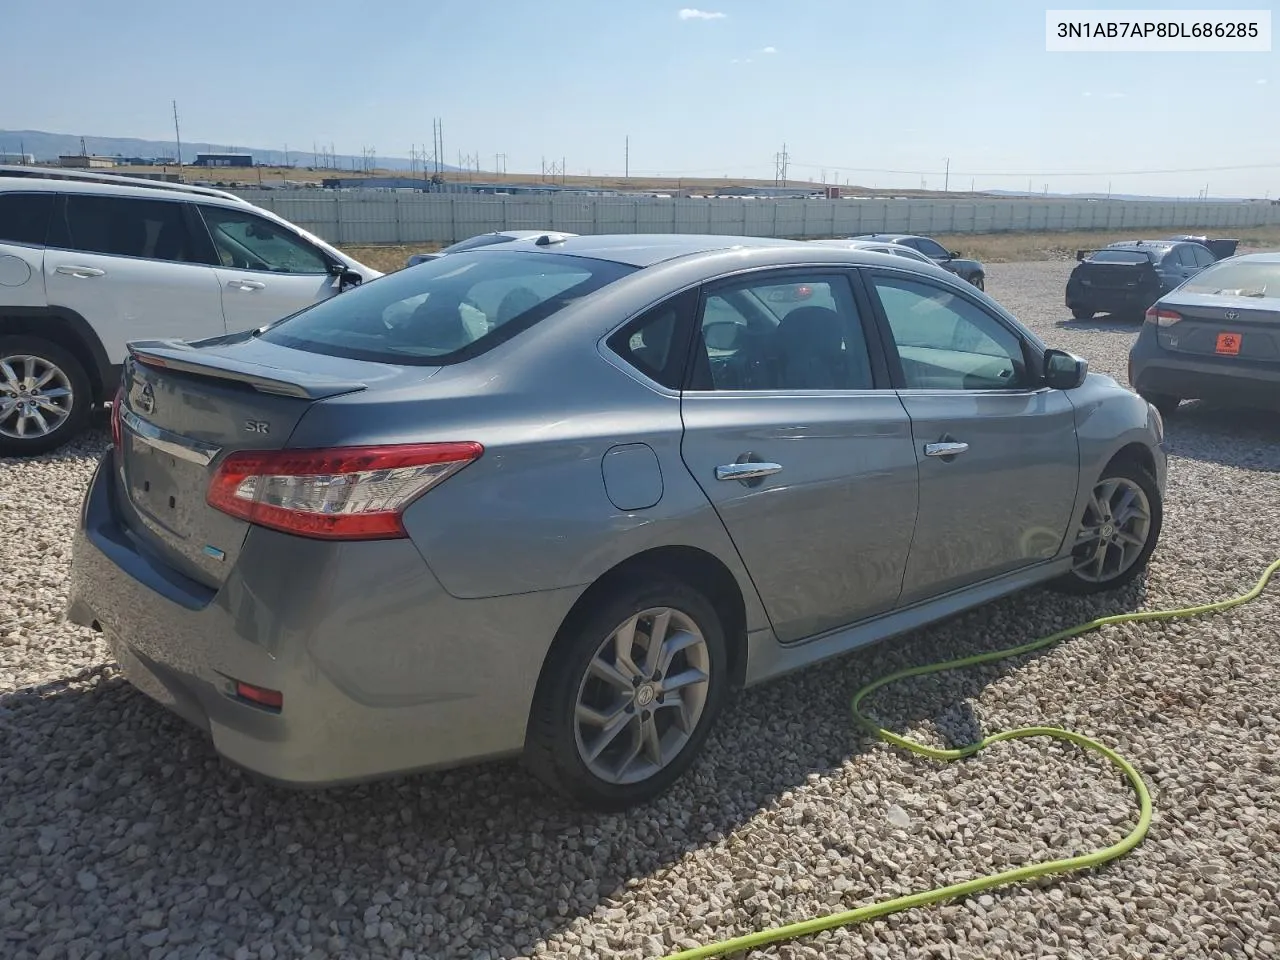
(246, 285)
(747, 471)
(948, 449)
(82, 273)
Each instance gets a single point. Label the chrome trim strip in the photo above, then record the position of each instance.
(193, 451)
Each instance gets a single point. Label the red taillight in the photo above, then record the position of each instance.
(345, 493)
(1162, 318)
(263, 697)
(116, 404)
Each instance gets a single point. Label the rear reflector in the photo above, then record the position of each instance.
(1163, 318)
(260, 695)
(344, 493)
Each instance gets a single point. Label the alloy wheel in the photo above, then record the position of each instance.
(1114, 533)
(642, 696)
(36, 397)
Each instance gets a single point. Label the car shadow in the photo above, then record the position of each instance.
(89, 755)
(1212, 433)
(1105, 323)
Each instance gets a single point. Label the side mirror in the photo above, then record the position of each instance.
(953, 254)
(1064, 371)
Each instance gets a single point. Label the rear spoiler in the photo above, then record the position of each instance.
(182, 356)
(1081, 254)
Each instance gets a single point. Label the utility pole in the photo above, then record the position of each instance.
(780, 167)
(177, 134)
(946, 178)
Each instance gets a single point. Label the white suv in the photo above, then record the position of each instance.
(90, 261)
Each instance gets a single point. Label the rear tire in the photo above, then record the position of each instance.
(45, 396)
(604, 730)
(978, 281)
(1166, 404)
(1118, 533)
(1081, 313)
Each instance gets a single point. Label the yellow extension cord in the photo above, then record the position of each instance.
(967, 888)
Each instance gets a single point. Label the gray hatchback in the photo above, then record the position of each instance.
(559, 501)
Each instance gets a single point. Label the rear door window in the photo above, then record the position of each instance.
(24, 217)
(1187, 255)
(123, 227)
(445, 310)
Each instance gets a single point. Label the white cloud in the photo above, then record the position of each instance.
(1115, 96)
(769, 50)
(1261, 82)
(1087, 94)
(693, 13)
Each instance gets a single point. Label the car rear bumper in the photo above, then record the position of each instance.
(1154, 370)
(381, 671)
(1102, 300)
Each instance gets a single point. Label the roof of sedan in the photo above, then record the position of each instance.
(1270, 256)
(645, 249)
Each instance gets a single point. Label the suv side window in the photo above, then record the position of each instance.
(123, 227)
(931, 248)
(946, 342)
(793, 332)
(24, 217)
(1187, 255)
(1204, 257)
(248, 242)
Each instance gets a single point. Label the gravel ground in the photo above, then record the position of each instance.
(123, 835)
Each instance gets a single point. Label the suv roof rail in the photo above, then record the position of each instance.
(49, 173)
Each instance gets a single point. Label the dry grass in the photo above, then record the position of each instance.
(1017, 247)
(987, 247)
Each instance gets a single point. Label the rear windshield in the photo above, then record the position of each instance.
(1120, 256)
(1237, 280)
(444, 310)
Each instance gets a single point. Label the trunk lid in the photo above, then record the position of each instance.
(1234, 329)
(1118, 276)
(188, 405)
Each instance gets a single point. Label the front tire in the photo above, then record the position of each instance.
(628, 694)
(978, 281)
(1118, 533)
(1081, 313)
(45, 396)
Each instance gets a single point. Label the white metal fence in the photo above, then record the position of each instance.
(356, 217)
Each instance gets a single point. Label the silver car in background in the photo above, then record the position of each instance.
(558, 501)
(1215, 337)
(542, 237)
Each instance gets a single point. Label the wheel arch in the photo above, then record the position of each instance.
(1136, 454)
(694, 566)
(70, 331)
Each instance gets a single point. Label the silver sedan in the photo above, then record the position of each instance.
(560, 500)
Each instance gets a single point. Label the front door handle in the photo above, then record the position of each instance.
(246, 285)
(947, 449)
(747, 471)
(82, 273)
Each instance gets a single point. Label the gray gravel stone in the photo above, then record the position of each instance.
(792, 812)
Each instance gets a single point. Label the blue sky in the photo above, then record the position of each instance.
(855, 85)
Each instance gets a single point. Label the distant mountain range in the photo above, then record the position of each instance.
(1033, 195)
(50, 146)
